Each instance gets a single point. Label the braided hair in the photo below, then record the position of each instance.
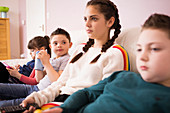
(108, 9)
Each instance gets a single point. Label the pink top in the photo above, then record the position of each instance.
(31, 80)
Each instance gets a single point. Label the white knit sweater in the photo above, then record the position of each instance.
(82, 74)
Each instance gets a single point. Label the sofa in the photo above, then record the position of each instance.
(127, 38)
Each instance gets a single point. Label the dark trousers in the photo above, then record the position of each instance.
(61, 98)
(5, 76)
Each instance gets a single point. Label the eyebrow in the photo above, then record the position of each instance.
(92, 15)
(151, 43)
(60, 41)
(138, 45)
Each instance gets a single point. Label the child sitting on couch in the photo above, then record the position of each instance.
(13, 94)
(128, 92)
(14, 76)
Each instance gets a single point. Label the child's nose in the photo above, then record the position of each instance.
(144, 55)
(58, 44)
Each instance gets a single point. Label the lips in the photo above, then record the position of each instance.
(59, 49)
(88, 31)
(143, 68)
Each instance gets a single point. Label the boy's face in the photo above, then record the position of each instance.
(153, 56)
(60, 45)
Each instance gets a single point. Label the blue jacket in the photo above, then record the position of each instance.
(27, 69)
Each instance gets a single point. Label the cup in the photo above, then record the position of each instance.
(38, 63)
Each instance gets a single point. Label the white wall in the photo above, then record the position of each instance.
(13, 15)
(69, 13)
(134, 12)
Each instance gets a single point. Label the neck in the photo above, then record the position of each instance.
(60, 55)
(100, 43)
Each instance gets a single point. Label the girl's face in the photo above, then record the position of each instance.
(33, 53)
(153, 56)
(95, 24)
(60, 45)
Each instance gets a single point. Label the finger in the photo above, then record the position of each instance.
(27, 111)
(23, 104)
(31, 109)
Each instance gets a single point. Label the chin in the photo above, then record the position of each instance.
(147, 79)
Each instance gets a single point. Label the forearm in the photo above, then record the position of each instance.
(39, 75)
(51, 73)
(46, 95)
(28, 80)
(76, 101)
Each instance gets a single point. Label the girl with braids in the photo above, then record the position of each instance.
(128, 92)
(14, 94)
(91, 62)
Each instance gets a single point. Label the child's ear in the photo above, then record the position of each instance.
(50, 45)
(42, 48)
(70, 44)
(110, 22)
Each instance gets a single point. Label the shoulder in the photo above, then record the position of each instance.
(31, 62)
(118, 47)
(125, 75)
(116, 51)
(64, 58)
(122, 52)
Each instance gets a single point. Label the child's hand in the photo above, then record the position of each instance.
(44, 57)
(25, 102)
(14, 72)
(17, 66)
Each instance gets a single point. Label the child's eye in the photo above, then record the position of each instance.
(155, 49)
(32, 50)
(138, 50)
(64, 42)
(55, 43)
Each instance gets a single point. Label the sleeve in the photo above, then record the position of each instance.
(27, 69)
(81, 98)
(31, 80)
(52, 91)
(78, 101)
(112, 61)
